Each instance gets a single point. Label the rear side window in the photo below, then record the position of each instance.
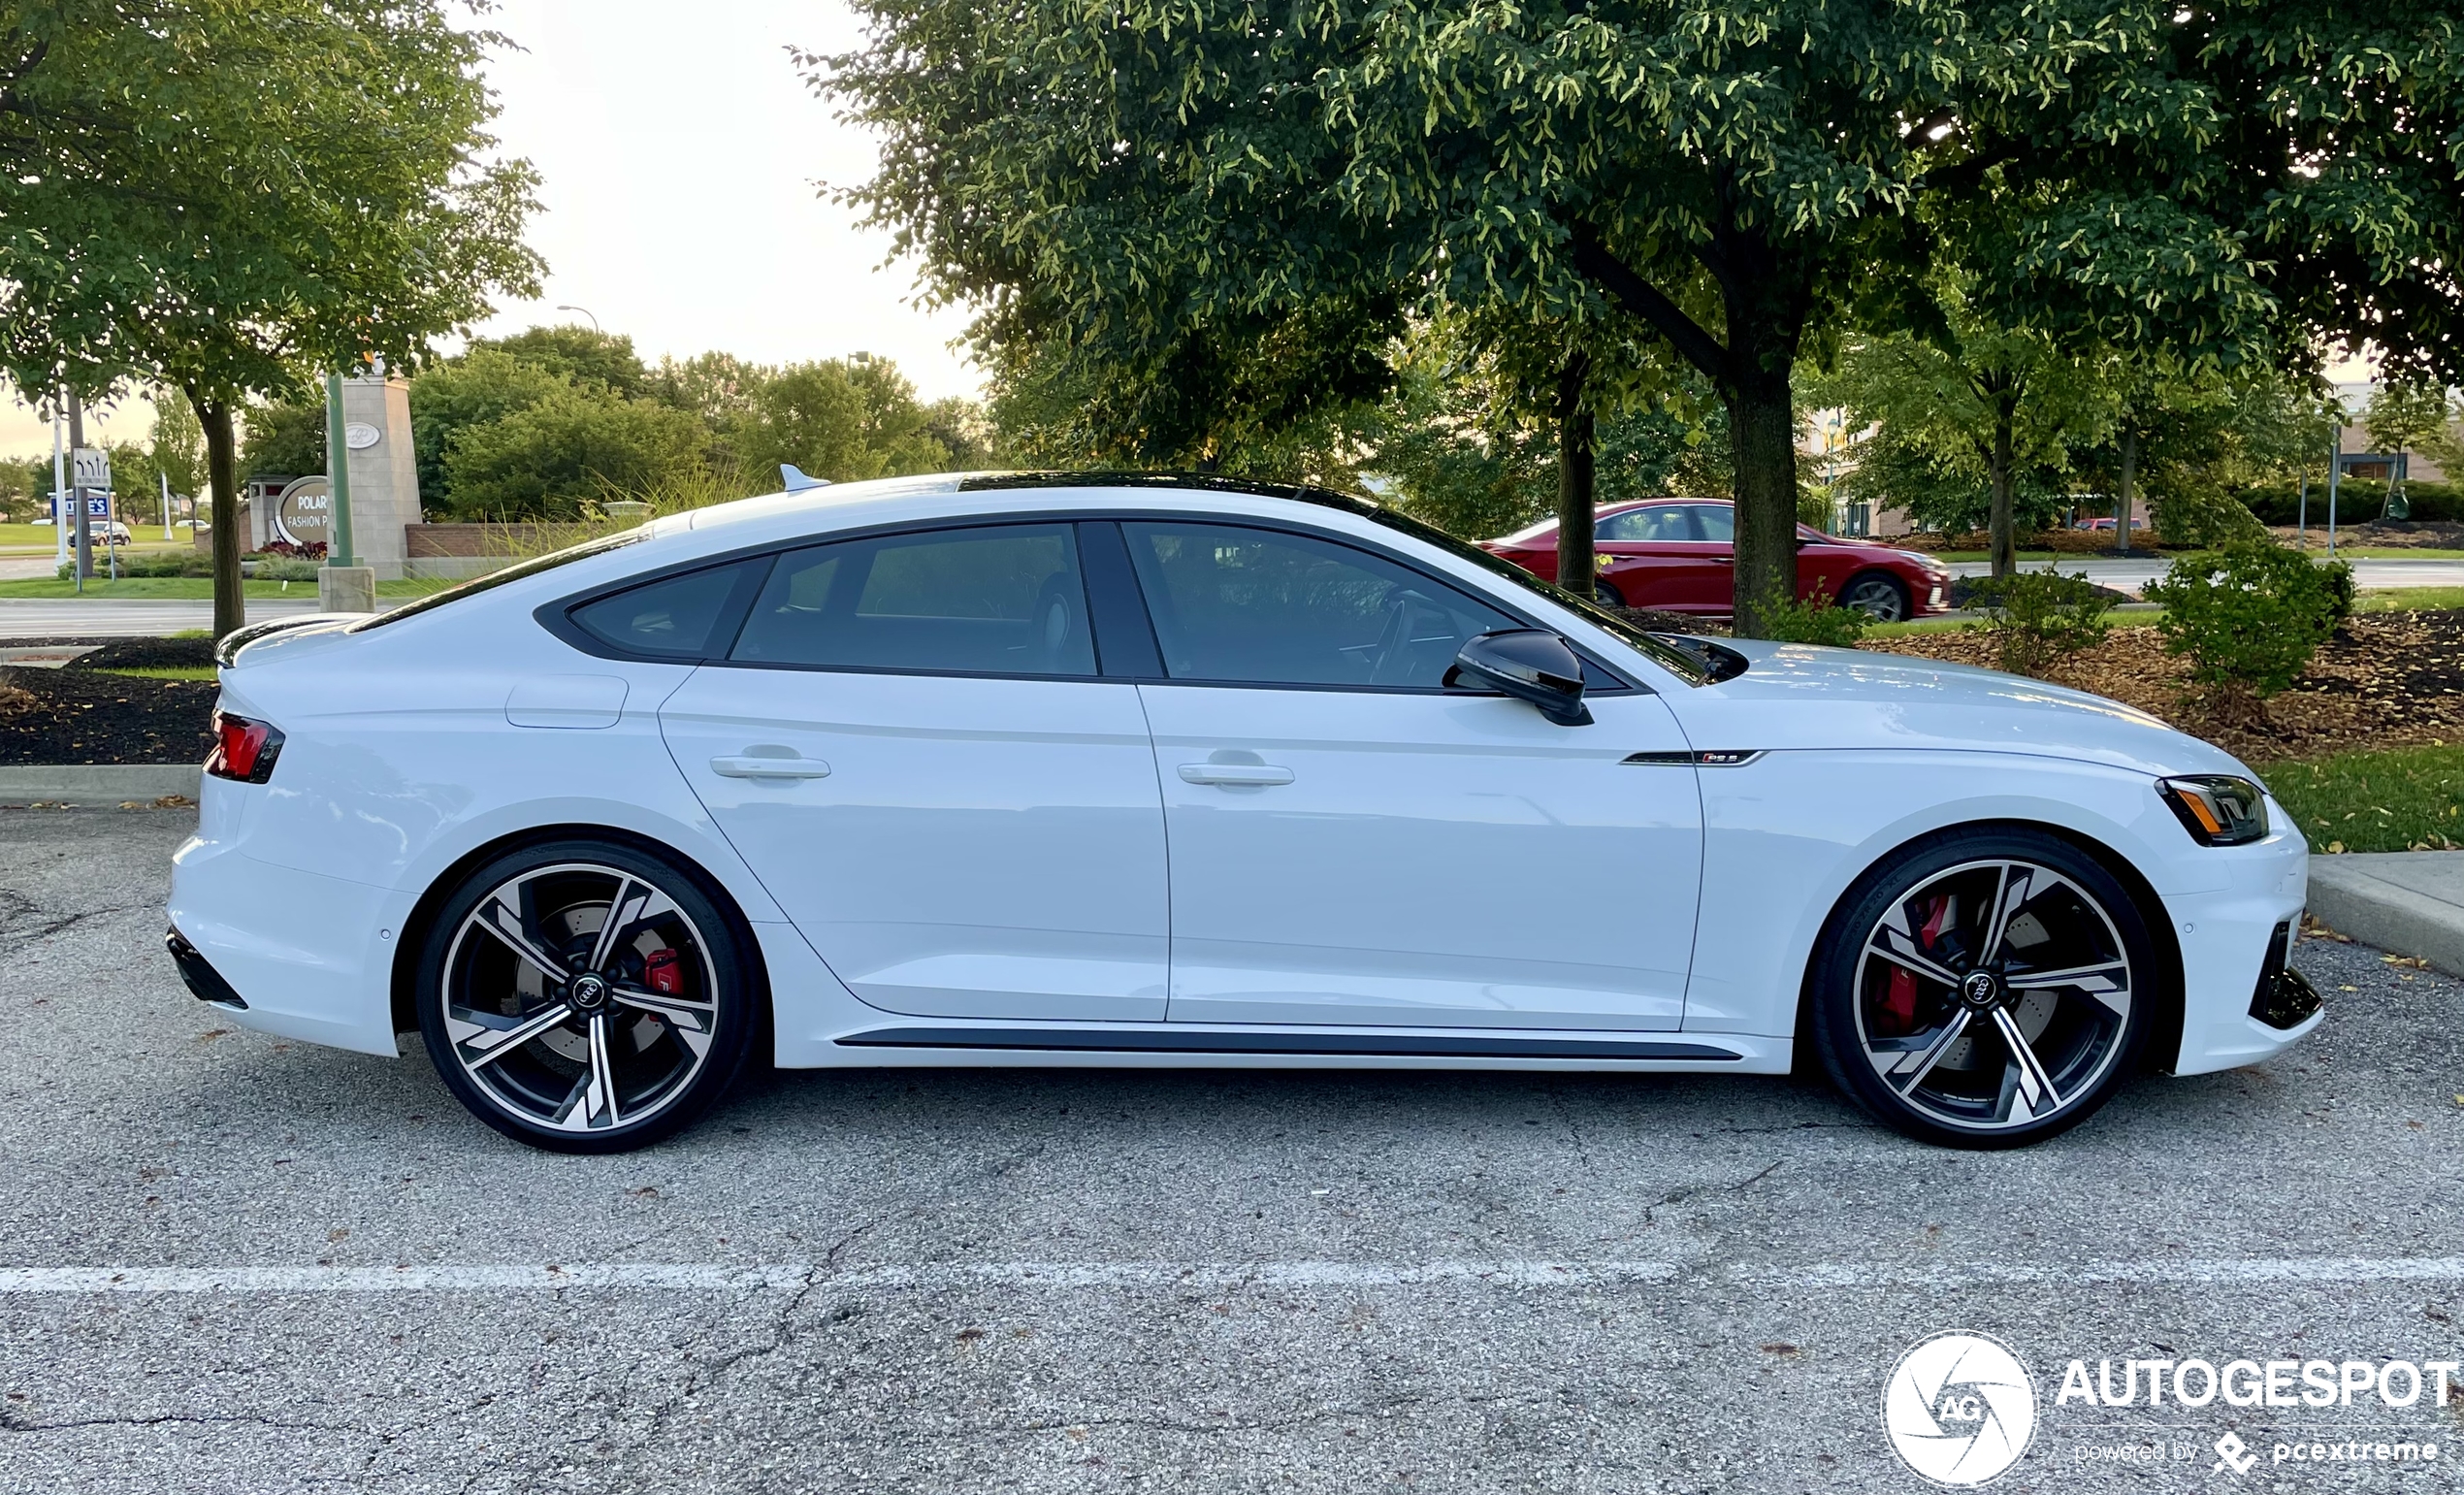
(998, 600)
(675, 617)
(1660, 523)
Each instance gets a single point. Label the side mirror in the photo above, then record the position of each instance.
(1528, 664)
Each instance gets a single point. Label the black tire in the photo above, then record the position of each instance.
(659, 1019)
(1955, 1078)
(1879, 593)
(1606, 596)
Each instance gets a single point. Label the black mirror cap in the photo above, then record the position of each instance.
(1530, 665)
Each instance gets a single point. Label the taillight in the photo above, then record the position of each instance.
(243, 749)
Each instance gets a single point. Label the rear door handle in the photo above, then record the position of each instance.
(750, 767)
(1234, 773)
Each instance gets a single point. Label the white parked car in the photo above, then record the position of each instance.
(1082, 771)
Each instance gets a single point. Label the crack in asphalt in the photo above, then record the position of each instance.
(16, 910)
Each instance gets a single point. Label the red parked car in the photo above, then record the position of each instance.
(1676, 555)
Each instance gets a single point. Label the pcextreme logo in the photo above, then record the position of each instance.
(1959, 1409)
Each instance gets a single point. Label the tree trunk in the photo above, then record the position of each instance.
(1763, 428)
(2005, 524)
(222, 477)
(1576, 540)
(2125, 496)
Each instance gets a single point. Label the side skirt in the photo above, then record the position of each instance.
(1347, 1045)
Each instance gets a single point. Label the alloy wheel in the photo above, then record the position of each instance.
(579, 997)
(1993, 994)
(1879, 597)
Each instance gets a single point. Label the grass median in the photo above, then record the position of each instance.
(193, 589)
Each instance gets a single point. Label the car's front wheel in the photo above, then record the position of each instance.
(1985, 989)
(1879, 597)
(585, 996)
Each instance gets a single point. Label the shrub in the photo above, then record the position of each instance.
(2038, 619)
(2249, 618)
(1816, 620)
(2358, 500)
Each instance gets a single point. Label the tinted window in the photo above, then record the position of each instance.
(1002, 600)
(1660, 522)
(1718, 521)
(1237, 603)
(675, 616)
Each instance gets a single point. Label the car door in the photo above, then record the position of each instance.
(909, 743)
(1354, 844)
(1652, 554)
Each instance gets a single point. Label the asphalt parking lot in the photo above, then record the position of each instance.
(328, 1277)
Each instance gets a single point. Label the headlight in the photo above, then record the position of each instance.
(2218, 809)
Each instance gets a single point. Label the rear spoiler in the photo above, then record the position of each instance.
(238, 638)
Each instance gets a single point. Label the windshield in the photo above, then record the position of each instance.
(1685, 663)
(513, 572)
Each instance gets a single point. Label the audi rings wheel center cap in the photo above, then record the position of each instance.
(1982, 990)
(590, 993)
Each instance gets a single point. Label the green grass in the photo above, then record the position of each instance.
(2145, 619)
(2318, 548)
(2409, 599)
(189, 588)
(165, 672)
(2390, 801)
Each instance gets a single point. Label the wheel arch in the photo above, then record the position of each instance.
(2165, 1037)
(415, 926)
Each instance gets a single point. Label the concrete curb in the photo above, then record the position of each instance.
(2396, 900)
(98, 784)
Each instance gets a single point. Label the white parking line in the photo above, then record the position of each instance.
(694, 1276)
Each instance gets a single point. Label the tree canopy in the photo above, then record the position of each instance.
(223, 197)
(1161, 188)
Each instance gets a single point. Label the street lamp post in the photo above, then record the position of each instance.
(586, 312)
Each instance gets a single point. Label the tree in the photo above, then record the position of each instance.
(547, 460)
(1984, 407)
(223, 198)
(286, 438)
(585, 355)
(2404, 412)
(485, 384)
(178, 447)
(1751, 184)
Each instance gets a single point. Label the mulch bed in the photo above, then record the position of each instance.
(2383, 680)
(81, 715)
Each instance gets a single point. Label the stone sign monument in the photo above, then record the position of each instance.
(384, 472)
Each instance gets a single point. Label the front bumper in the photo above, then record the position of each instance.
(2241, 1001)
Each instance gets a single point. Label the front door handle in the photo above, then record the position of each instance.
(754, 768)
(1234, 773)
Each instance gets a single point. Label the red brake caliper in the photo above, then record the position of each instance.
(1899, 999)
(664, 975)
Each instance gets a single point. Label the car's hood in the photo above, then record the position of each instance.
(1796, 696)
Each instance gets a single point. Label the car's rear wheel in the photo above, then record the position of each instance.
(1880, 596)
(585, 996)
(1987, 990)
(1606, 596)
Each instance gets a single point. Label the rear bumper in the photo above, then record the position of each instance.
(281, 951)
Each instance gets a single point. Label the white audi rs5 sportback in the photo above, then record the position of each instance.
(1081, 770)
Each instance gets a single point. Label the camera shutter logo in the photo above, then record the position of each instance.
(1959, 1409)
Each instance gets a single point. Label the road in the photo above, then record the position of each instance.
(2131, 575)
(126, 618)
(329, 1278)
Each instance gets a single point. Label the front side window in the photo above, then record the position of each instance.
(1235, 604)
(1000, 600)
(1718, 522)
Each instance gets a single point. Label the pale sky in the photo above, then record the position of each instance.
(679, 152)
